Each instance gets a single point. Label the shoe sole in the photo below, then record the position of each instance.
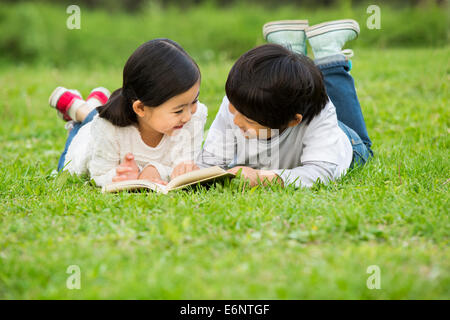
(321, 28)
(284, 25)
(56, 94)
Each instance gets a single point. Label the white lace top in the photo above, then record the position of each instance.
(99, 147)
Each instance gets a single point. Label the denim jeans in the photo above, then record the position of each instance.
(341, 90)
(76, 127)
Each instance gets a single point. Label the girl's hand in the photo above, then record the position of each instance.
(152, 174)
(182, 168)
(127, 170)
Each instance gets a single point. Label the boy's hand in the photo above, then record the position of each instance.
(152, 174)
(254, 177)
(249, 174)
(269, 177)
(127, 170)
(182, 168)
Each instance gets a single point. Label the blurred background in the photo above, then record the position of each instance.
(211, 31)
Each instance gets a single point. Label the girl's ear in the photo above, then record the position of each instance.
(138, 108)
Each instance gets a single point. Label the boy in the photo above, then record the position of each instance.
(277, 123)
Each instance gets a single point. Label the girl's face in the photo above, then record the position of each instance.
(170, 116)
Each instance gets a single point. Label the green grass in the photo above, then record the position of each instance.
(225, 243)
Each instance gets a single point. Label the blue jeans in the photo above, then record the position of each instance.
(341, 90)
(76, 127)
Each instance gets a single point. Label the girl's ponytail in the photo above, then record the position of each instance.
(118, 109)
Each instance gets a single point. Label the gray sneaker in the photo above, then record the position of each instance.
(288, 33)
(328, 38)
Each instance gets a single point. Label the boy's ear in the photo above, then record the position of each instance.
(138, 108)
(298, 118)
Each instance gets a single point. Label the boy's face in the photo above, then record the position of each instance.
(249, 128)
(252, 129)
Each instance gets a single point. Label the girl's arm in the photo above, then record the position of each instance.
(105, 152)
(325, 146)
(151, 173)
(163, 171)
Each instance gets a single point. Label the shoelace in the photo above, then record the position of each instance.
(348, 53)
(69, 125)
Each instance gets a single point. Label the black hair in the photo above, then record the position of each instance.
(157, 71)
(270, 84)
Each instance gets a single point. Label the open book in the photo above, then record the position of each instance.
(198, 176)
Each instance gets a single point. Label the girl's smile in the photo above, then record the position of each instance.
(170, 116)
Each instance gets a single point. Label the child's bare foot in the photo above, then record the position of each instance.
(127, 170)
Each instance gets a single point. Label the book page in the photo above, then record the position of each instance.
(134, 184)
(195, 176)
(186, 179)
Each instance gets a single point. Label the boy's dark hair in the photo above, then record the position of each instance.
(157, 71)
(270, 84)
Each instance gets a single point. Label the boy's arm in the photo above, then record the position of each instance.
(219, 147)
(307, 174)
(302, 176)
(324, 148)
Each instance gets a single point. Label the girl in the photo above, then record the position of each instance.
(154, 123)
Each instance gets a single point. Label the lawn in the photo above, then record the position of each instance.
(228, 243)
